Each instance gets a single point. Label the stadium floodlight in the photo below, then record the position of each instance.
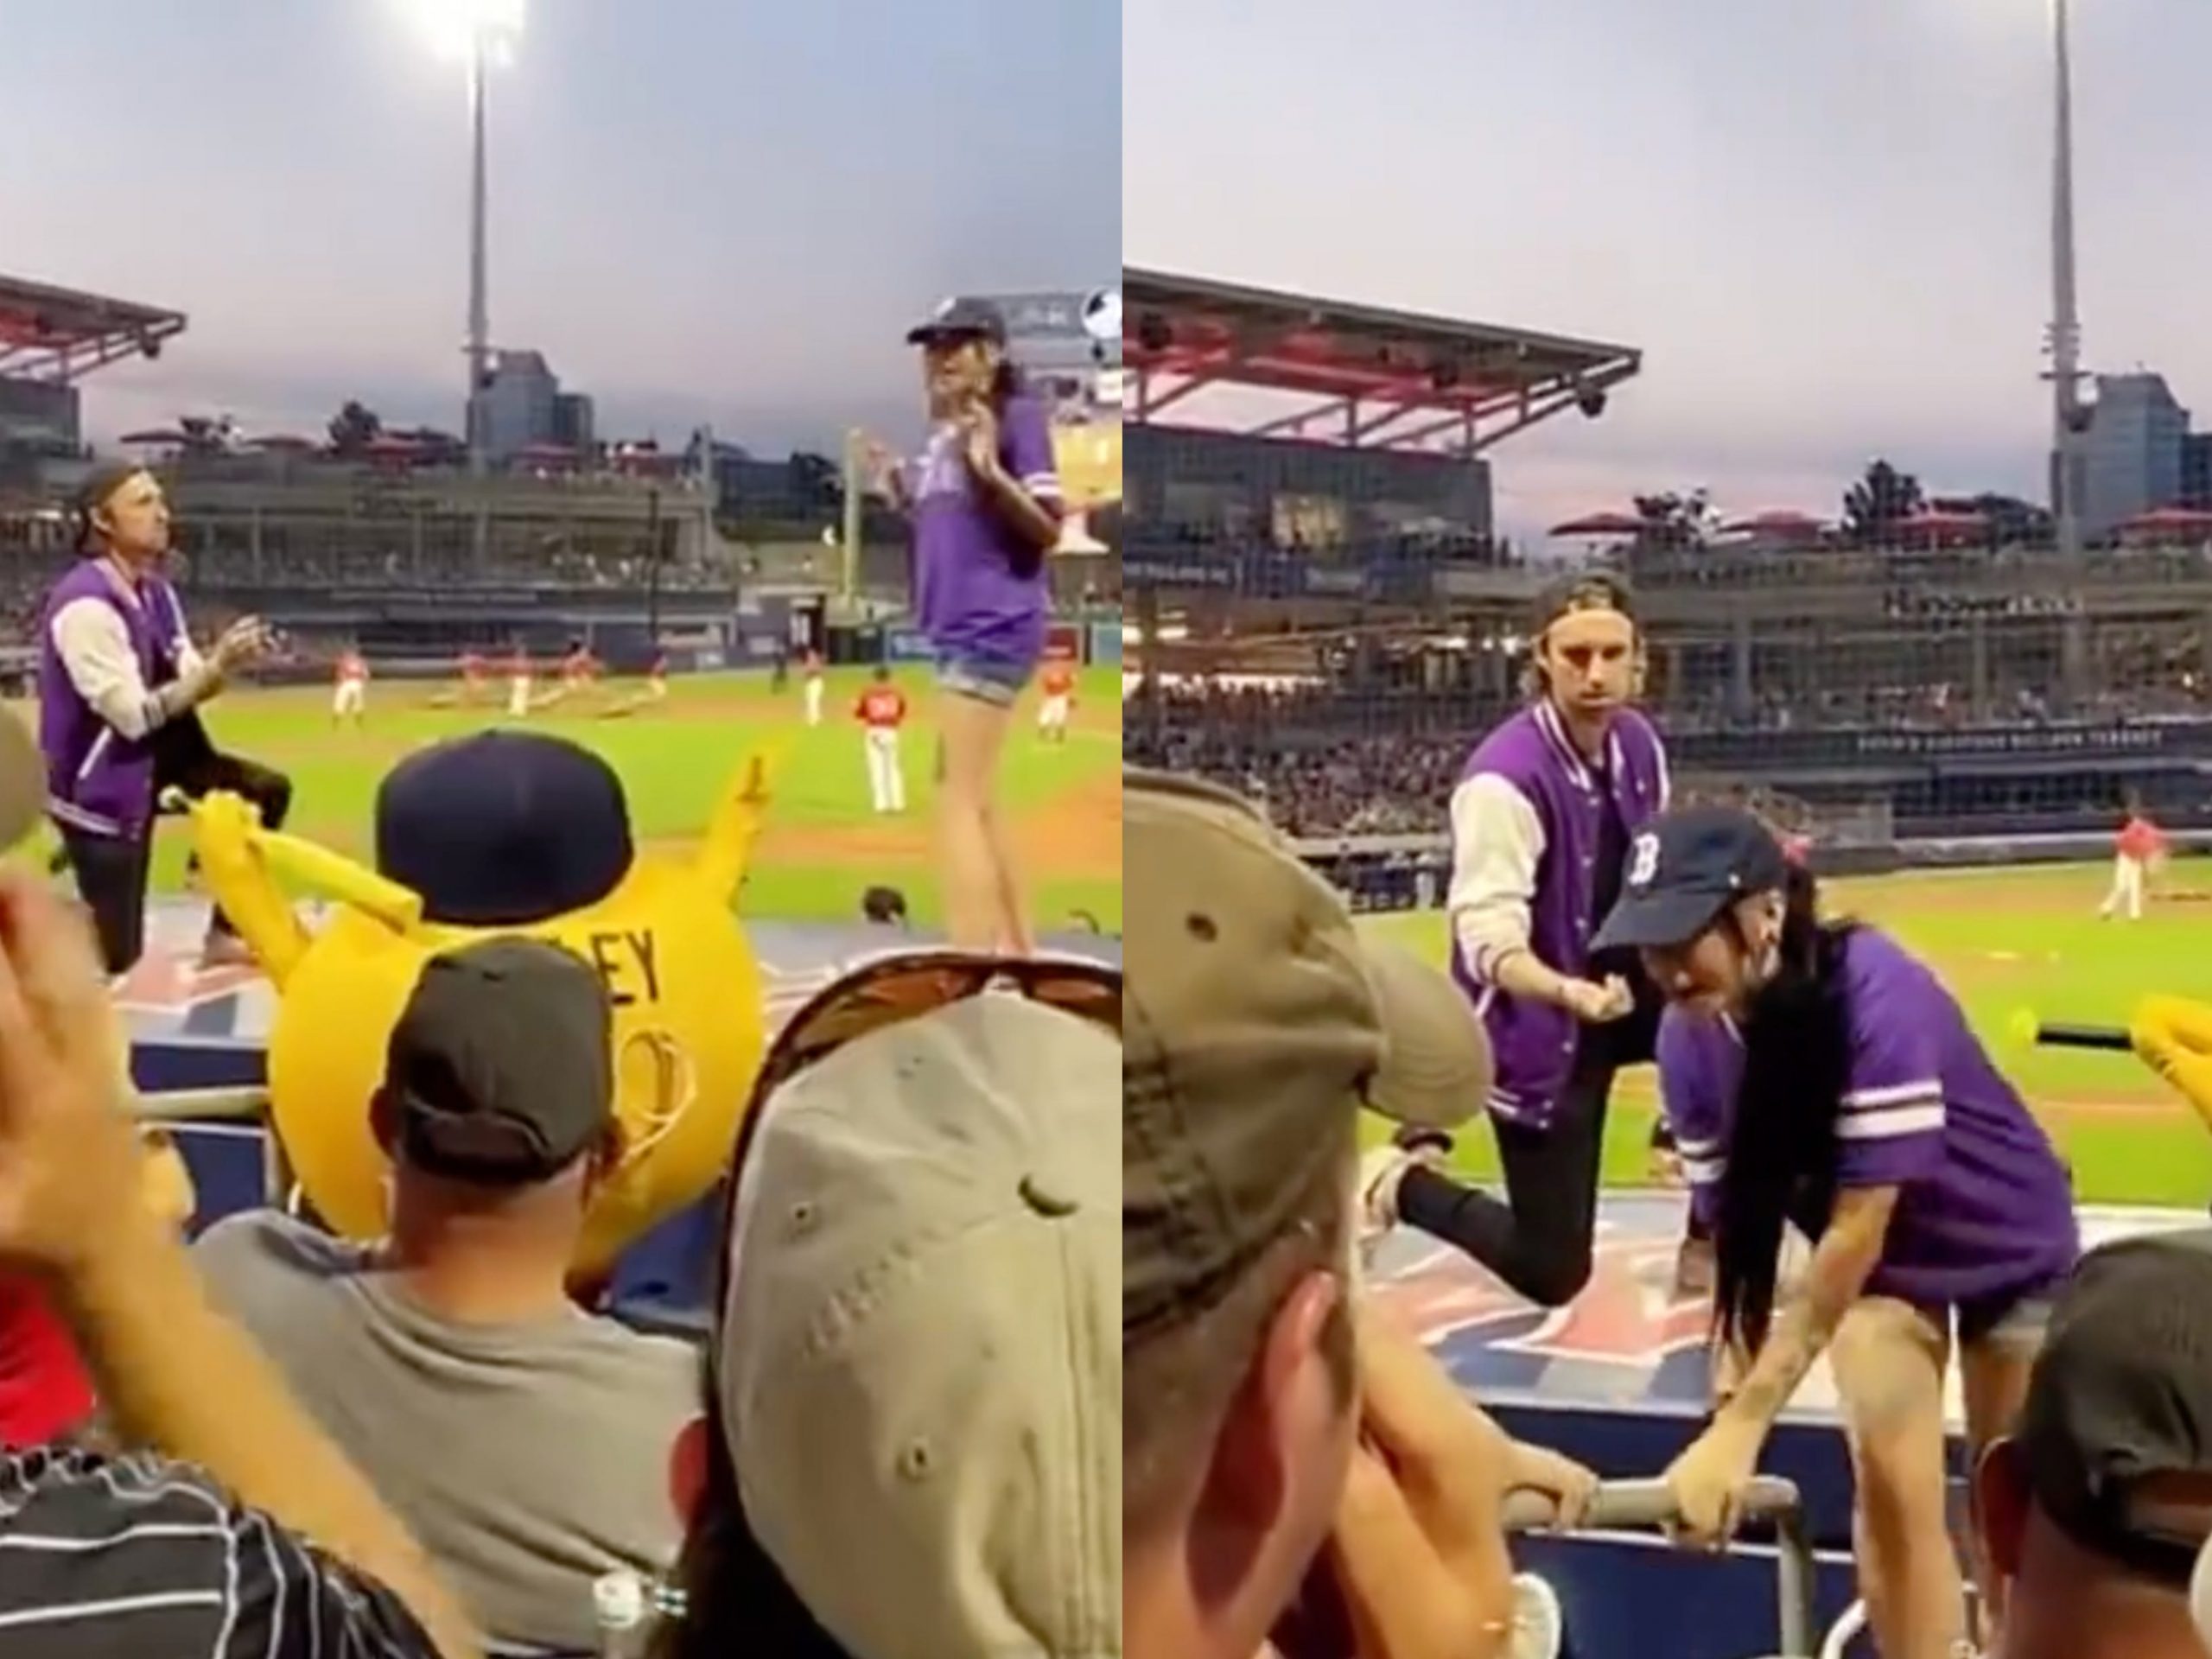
(458, 30)
(478, 33)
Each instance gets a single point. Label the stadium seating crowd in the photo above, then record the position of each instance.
(304, 1445)
(1378, 1532)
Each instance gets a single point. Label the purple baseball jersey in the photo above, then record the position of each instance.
(1984, 1207)
(1587, 815)
(968, 597)
(98, 781)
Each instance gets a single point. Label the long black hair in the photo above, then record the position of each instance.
(736, 1598)
(1007, 381)
(1781, 1149)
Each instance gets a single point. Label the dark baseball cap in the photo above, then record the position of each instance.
(2121, 1395)
(1684, 869)
(94, 494)
(961, 318)
(500, 1070)
(1257, 1022)
(504, 828)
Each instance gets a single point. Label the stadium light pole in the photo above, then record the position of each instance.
(480, 300)
(2065, 304)
(478, 33)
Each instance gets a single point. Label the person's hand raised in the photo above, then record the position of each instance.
(71, 1169)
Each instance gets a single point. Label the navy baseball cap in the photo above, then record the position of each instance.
(962, 318)
(1684, 870)
(503, 829)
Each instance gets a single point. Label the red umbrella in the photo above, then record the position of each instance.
(1939, 526)
(1779, 521)
(1600, 524)
(2170, 521)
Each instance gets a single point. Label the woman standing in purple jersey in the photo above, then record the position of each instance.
(986, 511)
(1817, 1074)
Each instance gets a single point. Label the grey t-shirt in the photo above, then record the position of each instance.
(529, 1459)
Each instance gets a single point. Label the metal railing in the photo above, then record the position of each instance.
(1647, 1505)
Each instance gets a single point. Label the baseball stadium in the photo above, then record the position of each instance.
(1951, 720)
(709, 624)
(382, 542)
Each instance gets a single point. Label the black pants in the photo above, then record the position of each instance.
(112, 870)
(1538, 1239)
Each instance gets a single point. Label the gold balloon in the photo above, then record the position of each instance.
(689, 1015)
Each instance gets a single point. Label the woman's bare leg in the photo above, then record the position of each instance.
(976, 884)
(1889, 1361)
(1993, 1377)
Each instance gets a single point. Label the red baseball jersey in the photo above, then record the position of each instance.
(2140, 838)
(1058, 680)
(472, 667)
(660, 670)
(812, 663)
(882, 707)
(351, 666)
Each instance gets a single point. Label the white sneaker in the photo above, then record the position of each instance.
(1380, 1170)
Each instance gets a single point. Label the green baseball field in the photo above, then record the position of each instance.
(823, 846)
(2008, 940)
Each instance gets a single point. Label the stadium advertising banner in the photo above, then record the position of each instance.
(1269, 573)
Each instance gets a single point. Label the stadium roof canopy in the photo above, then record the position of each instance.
(58, 334)
(1348, 375)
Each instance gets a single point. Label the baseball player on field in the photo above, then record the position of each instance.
(881, 711)
(518, 683)
(350, 700)
(2136, 851)
(1056, 683)
(813, 687)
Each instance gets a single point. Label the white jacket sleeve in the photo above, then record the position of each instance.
(94, 646)
(1497, 841)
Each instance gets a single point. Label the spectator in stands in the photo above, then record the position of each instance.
(1262, 1024)
(1541, 824)
(1815, 1074)
(110, 1558)
(985, 501)
(2093, 1512)
(910, 1454)
(120, 687)
(448, 1360)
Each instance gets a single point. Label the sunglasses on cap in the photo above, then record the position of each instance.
(898, 988)
(894, 989)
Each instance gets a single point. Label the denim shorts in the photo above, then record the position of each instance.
(987, 679)
(2015, 1320)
